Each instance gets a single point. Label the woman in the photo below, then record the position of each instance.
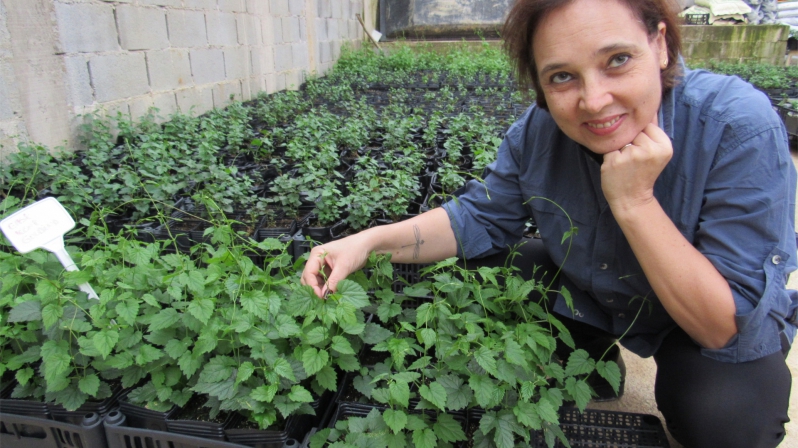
(682, 189)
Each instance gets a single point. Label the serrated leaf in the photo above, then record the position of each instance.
(610, 371)
(256, 303)
(89, 384)
(427, 336)
(26, 312)
(327, 378)
(579, 363)
(71, 398)
(147, 354)
(341, 345)
(435, 394)
(448, 429)
(286, 326)
(513, 353)
(283, 368)
(374, 334)
(458, 395)
(348, 363)
(485, 359)
(201, 309)
(245, 370)
(24, 375)
(195, 282)
(164, 319)
(395, 419)
(485, 390)
(189, 363)
(56, 361)
(313, 360)
(547, 411)
(388, 310)
(300, 394)
(353, 294)
(264, 393)
(400, 393)
(51, 314)
(127, 311)
(175, 349)
(580, 392)
(105, 341)
(424, 438)
(527, 415)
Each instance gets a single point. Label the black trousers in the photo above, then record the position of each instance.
(706, 403)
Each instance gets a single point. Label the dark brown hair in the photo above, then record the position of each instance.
(526, 15)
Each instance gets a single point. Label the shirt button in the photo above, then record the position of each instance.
(776, 259)
(603, 266)
(610, 300)
(621, 315)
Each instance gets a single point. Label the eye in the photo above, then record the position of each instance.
(619, 60)
(559, 78)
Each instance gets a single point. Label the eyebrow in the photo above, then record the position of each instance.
(612, 48)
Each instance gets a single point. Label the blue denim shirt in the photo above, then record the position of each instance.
(729, 189)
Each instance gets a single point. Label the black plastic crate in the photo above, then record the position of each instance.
(17, 431)
(598, 429)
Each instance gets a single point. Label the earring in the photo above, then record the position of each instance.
(665, 63)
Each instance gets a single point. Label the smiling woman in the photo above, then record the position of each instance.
(682, 190)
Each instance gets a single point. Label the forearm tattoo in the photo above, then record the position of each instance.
(417, 244)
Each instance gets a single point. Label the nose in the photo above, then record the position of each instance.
(595, 94)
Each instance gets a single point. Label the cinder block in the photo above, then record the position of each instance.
(325, 8)
(282, 58)
(321, 29)
(290, 29)
(115, 109)
(270, 81)
(324, 52)
(116, 76)
(257, 7)
(246, 90)
(354, 29)
(169, 69)
(279, 82)
(262, 60)
(175, 3)
(299, 56)
(194, 100)
(332, 29)
(186, 28)
(248, 30)
(140, 106)
(303, 29)
(142, 28)
(345, 13)
(267, 31)
(256, 86)
(77, 71)
(336, 9)
(279, 8)
(277, 30)
(225, 93)
(166, 103)
(232, 5)
(295, 7)
(222, 28)
(236, 63)
(200, 4)
(207, 65)
(6, 77)
(293, 80)
(86, 28)
(336, 49)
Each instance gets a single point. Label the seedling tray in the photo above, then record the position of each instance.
(598, 429)
(17, 431)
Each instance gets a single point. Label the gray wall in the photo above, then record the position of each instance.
(60, 59)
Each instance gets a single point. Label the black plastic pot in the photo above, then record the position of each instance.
(179, 421)
(101, 408)
(141, 417)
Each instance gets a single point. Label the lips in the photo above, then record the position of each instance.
(604, 126)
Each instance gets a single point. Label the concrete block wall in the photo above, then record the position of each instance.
(750, 43)
(177, 55)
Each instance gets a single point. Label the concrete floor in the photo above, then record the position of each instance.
(640, 373)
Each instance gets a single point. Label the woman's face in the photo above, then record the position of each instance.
(599, 71)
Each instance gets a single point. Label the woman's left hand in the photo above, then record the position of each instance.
(628, 174)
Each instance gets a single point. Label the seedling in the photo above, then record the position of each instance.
(42, 225)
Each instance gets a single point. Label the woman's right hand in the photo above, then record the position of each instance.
(332, 262)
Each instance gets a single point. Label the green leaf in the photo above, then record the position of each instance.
(579, 363)
(424, 438)
(348, 363)
(56, 360)
(245, 370)
(26, 312)
(104, 341)
(395, 419)
(484, 357)
(127, 311)
(435, 394)
(327, 378)
(195, 282)
(448, 429)
(527, 415)
(400, 393)
(283, 368)
(51, 313)
(189, 363)
(24, 375)
(374, 334)
(202, 309)
(313, 360)
(485, 390)
(286, 326)
(89, 384)
(264, 393)
(579, 390)
(353, 294)
(513, 353)
(300, 394)
(458, 394)
(147, 354)
(175, 349)
(29, 356)
(256, 303)
(71, 398)
(548, 411)
(341, 345)
(164, 319)
(427, 336)
(217, 369)
(610, 371)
